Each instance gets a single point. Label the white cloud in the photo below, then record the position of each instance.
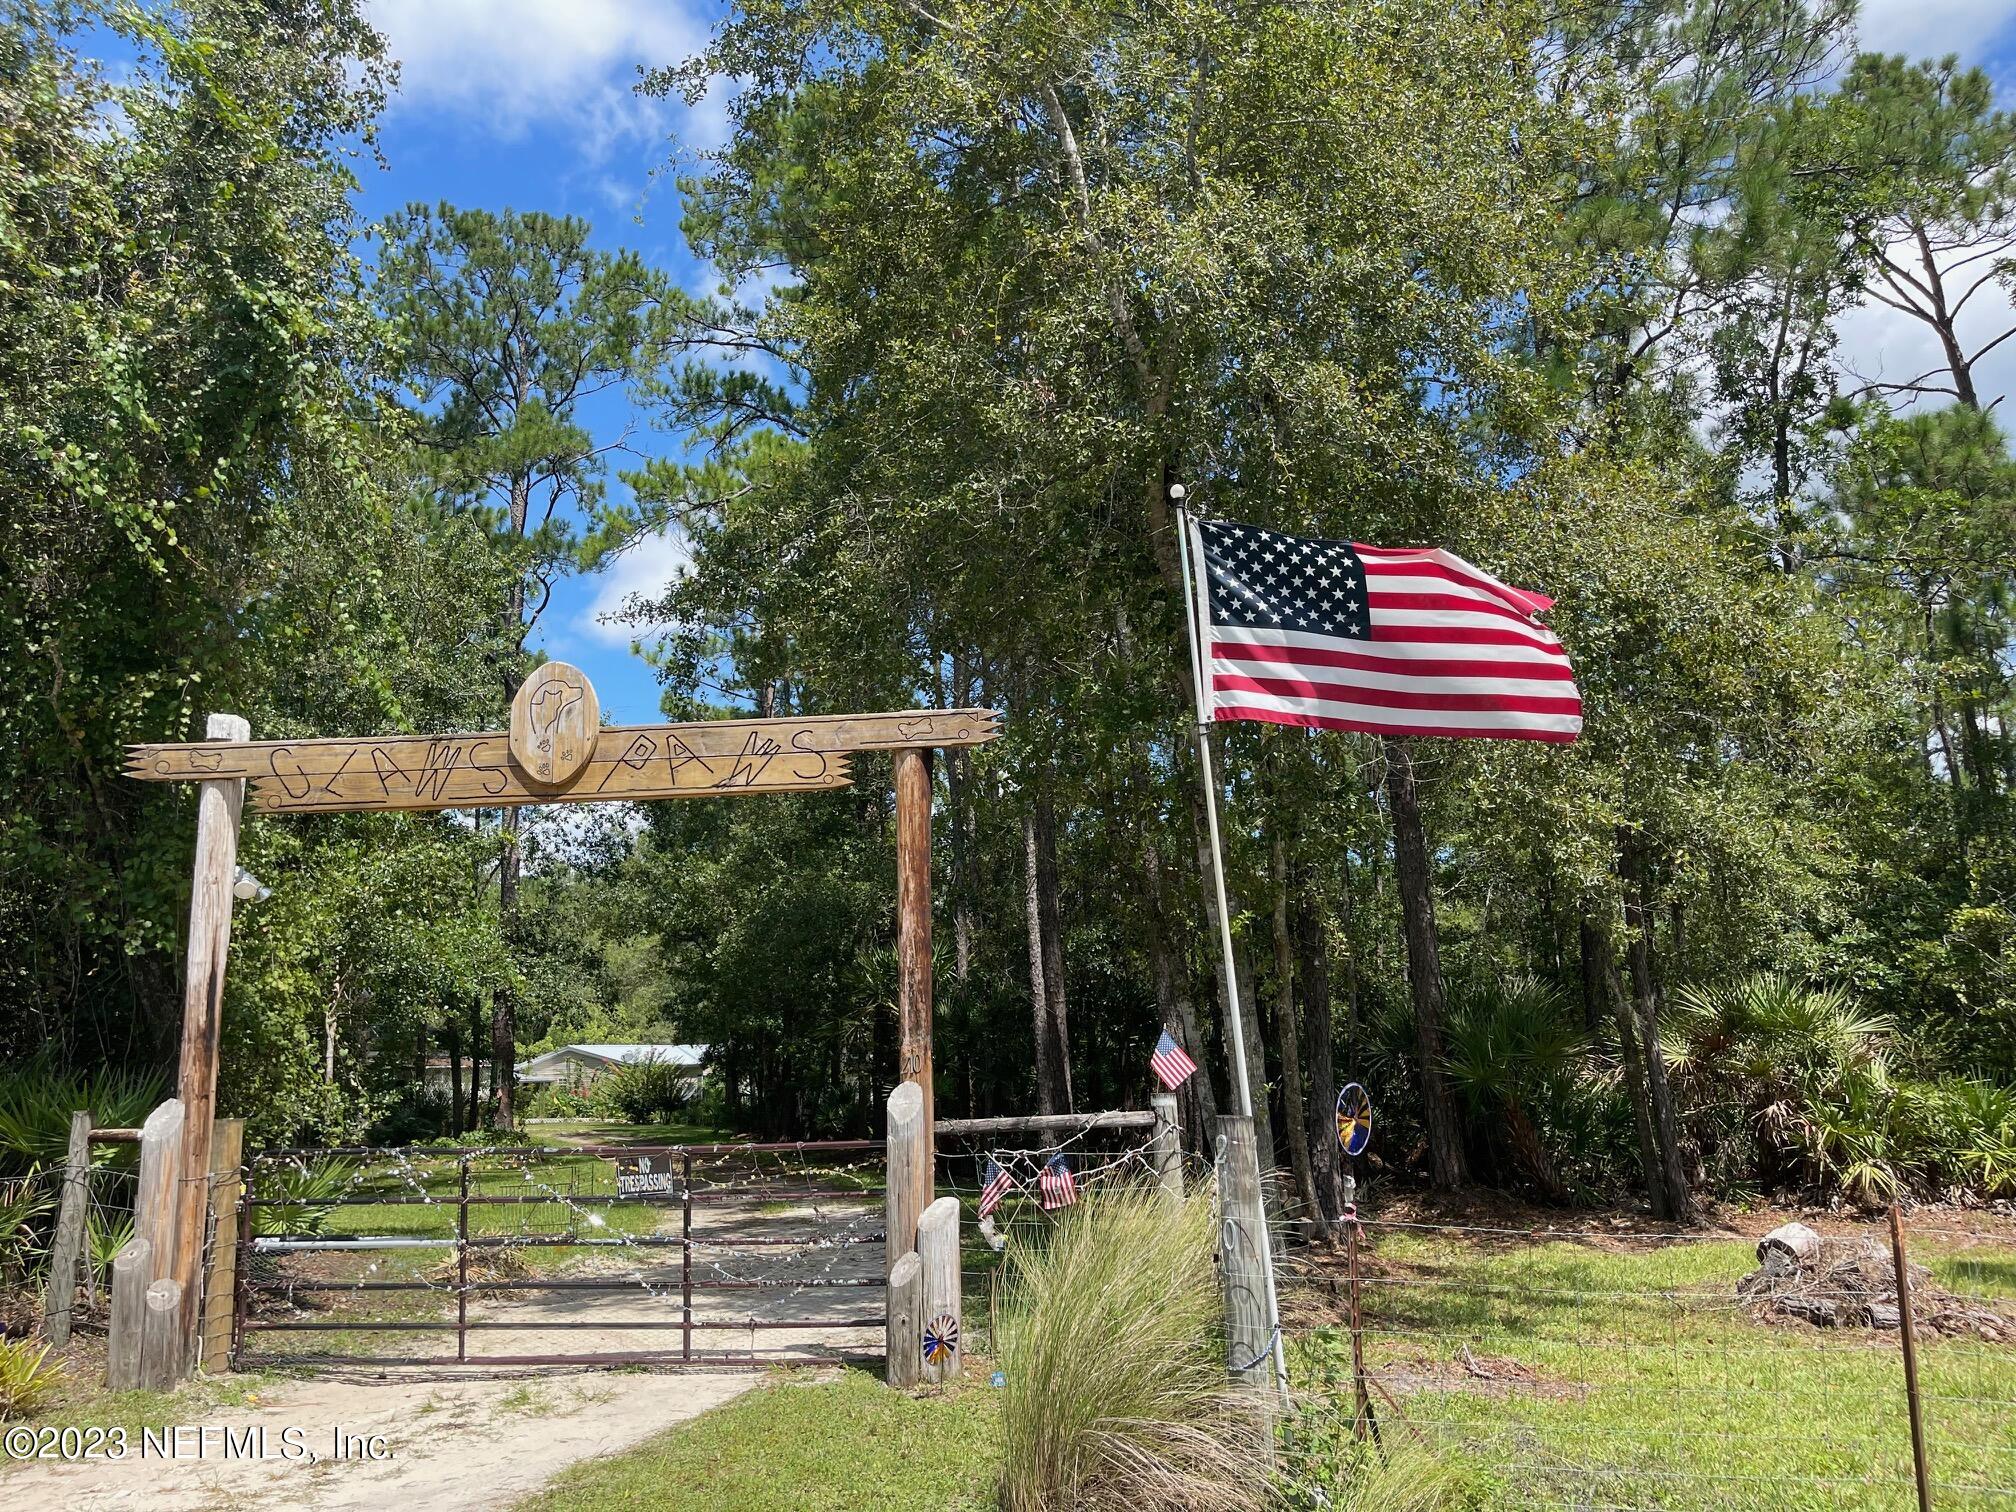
(642, 571)
(1933, 28)
(510, 63)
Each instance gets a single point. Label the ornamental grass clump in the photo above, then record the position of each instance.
(1112, 1343)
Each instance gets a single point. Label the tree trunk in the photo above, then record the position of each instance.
(1287, 1019)
(1447, 1167)
(451, 1039)
(1256, 1068)
(1319, 1123)
(1645, 1004)
(1630, 1052)
(1256, 1073)
(1594, 994)
(476, 1063)
(1175, 1004)
(1049, 1090)
(1050, 909)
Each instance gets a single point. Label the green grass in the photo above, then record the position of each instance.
(1654, 1389)
(793, 1445)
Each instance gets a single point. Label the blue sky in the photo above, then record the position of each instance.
(530, 106)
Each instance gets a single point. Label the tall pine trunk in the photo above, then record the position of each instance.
(1050, 907)
(1645, 1006)
(1176, 1005)
(1446, 1163)
(1320, 1036)
(1049, 1084)
(1288, 1029)
(451, 1041)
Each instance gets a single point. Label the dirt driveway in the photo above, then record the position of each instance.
(447, 1443)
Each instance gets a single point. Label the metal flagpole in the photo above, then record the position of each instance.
(1192, 591)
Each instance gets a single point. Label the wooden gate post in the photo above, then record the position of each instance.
(131, 1270)
(218, 806)
(913, 936)
(1248, 1340)
(220, 1269)
(938, 1250)
(1165, 1146)
(59, 1298)
(163, 1147)
(905, 1326)
(905, 1153)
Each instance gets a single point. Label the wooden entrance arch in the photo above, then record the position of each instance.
(556, 751)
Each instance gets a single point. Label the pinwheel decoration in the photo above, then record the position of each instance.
(1354, 1119)
(941, 1339)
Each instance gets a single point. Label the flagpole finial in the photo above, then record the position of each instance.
(1178, 492)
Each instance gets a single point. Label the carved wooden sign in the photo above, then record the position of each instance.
(555, 720)
(621, 762)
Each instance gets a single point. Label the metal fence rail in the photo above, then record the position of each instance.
(311, 1256)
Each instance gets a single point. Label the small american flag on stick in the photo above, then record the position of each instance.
(1057, 1188)
(1171, 1066)
(1393, 641)
(997, 1186)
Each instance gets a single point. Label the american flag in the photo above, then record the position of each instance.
(1056, 1185)
(1171, 1066)
(997, 1186)
(1394, 641)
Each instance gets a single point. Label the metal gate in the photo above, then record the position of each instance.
(623, 1254)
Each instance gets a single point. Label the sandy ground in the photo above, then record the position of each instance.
(447, 1443)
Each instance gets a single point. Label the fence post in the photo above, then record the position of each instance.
(219, 806)
(1908, 1333)
(905, 1324)
(909, 1176)
(162, 1359)
(160, 1176)
(60, 1298)
(938, 1249)
(220, 1270)
(1248, 1341)
(1165, 1145)
(131, 1275)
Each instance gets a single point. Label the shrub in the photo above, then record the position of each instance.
(309, 1190)
(556, 1101)
(104, 1236)
(643, 1092)
(24, 1204)
(37, 1098)
(1112, 1346)
(27, 1377)
(413, 1118)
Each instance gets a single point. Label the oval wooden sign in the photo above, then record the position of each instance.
(554, 721)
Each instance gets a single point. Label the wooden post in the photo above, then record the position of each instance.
(905, 1151)
(1241, 1255)
(220, 1271)
(162, 1360)
(59, 1298)
(1364, 1420)
(913, 937)
(130, 1280)
(218, 805)
(904, 1330)
(162, 1149)
(1165, 1146)
(938, 1249)
(1907, 1331)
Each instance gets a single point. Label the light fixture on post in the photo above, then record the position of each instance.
(247, 888)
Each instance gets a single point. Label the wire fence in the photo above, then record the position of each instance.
(1614, 1370)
